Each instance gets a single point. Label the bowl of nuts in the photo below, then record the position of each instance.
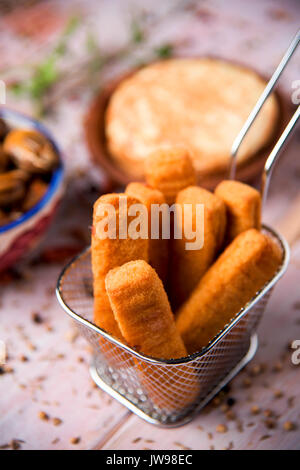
(31, 184)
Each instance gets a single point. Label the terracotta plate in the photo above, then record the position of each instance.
(94, 126)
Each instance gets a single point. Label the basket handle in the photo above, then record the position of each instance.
(265, 94)
(272, 158)
(289, 225)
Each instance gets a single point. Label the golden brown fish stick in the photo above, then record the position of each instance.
(108, 253)
(142, 310)
(158, 248)
(243, 207)
(188, 266)
(170, 170)
(241, 270)
(143, 313)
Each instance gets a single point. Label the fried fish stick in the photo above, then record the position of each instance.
(241, 270)
(107, 253)
(170, 170)
(243, 207)
(143, 313)
(189, 265)
(142, 310)
(158, 248)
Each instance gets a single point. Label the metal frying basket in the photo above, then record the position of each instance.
(170, 392)
(163, 392)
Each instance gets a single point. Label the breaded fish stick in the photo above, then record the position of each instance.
(143, 313)
(142, 310)
(241, 270)
(170, 170)
(243, 207)
(107, 253)
(158, 248)
(188, 266)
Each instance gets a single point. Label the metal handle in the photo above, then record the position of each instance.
(272, 158)
(265, 94)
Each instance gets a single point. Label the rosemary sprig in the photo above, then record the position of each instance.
(47, 83)
(46, 74)
(165, 51)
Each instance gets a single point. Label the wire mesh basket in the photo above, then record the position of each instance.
(164, 392)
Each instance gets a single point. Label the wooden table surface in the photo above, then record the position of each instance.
(47, 398)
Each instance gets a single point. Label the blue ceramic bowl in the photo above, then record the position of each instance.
(20, 237)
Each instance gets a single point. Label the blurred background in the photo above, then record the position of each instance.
(55, 59)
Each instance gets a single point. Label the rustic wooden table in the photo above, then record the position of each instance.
(47, 398)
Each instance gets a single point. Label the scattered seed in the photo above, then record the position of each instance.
(277, 367)
(231, 401)
(15, 444)
(256, 370)
(264, 437)
(75, 440)
(230, 415)
(224, 408)
(255, 410)
(240, 426)
(268, 413)
(24, 358)
(270, 423)
(182, 446)
(247, 382)
(71, 335)
(36, 318)
(43, 416)
(137, 439)
(290, 402)
(222, 428)
(226, 389)
(41, 378)
(278, 394)
(4, 446)
(56, 421)
(289, 426)
(216, 401)
(31, 346)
